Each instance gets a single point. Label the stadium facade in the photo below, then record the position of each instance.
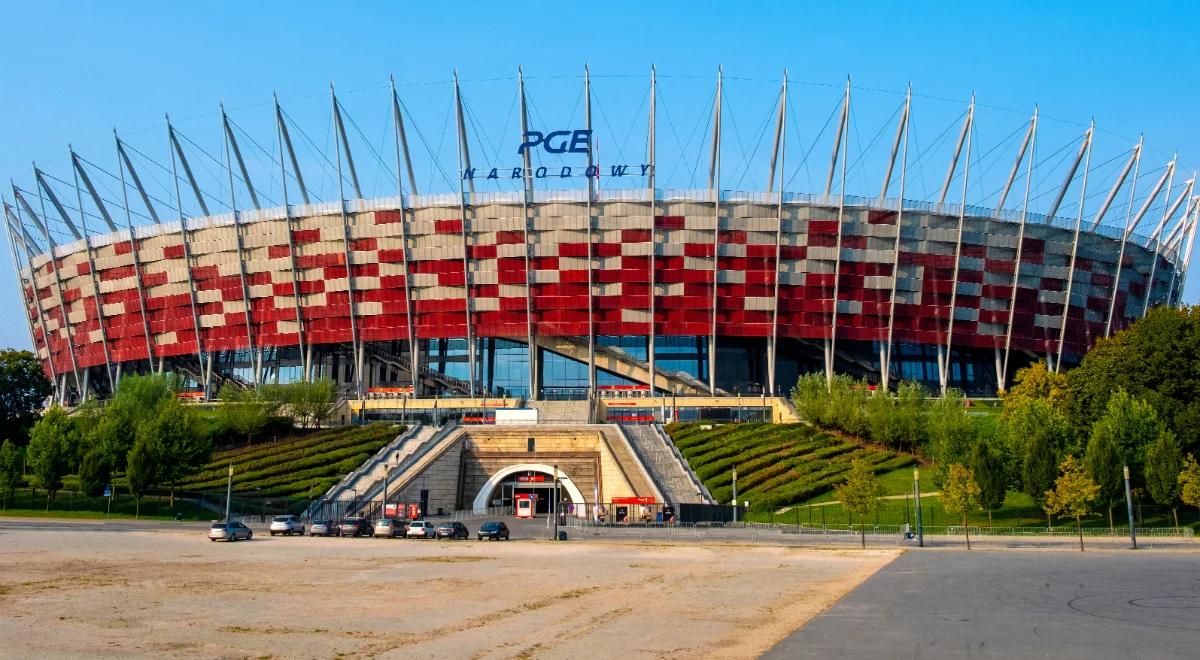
(616, 284)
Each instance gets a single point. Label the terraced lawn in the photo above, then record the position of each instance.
(302, 466)
(777, 464)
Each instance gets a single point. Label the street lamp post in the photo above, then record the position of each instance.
(917, 495)
(555, 501)
(735, 495)
(1129, 509)
(383, 507)
(229, 492)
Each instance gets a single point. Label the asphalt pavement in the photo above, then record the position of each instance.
(1014, 604)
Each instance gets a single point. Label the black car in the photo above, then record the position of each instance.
(355, 526)
(493, 531)
(452, 530)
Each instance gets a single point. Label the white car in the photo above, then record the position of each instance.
(419, 529)
(287, 525)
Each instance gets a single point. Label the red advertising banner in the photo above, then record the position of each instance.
(633, 500)
(527, 478)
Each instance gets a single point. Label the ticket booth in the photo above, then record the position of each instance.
(525, 504)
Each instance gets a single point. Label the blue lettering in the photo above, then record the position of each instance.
(532, 139)
(619, 170)
(645, 168)
(581, 141)
(561, 147)
(493, 174)
(540, 173)
(592, 172)
(566, 172)
(469, 173)
(517, 172)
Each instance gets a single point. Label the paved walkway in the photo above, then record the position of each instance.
(1014, 604)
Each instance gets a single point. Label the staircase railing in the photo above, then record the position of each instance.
(367, 500)
(687, 468)
(371, 463)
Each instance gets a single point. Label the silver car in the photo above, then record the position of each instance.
(229, 531)
(419, 529)
(322, 528)
(287, 525)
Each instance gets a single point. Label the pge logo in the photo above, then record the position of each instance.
(556, 142)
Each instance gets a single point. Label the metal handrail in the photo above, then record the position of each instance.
(369, 495)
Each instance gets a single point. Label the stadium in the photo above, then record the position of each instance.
(553, 268)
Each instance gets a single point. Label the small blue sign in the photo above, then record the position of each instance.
(108, 490)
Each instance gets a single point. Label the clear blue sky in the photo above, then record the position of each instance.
(73, 71)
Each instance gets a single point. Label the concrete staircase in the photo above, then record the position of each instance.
(372, 470)
(561, 412)
(666, 466)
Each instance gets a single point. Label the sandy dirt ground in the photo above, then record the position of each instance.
(102, 593)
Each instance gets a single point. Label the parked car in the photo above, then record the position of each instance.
(493, 530)
(354, 526)
(229, 531)
(388, 528)
(287, 525)
(452, 530)
(322, 528)
(419, 529)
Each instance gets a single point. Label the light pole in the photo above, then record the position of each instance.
(735, 495)
(229, 492)
(1129, 509)
(917, 494)
(383, 507)
(555, 501)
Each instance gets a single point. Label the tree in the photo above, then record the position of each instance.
(1131, 424)
(23, 391)
(859, 494)
(847, 403)
(1037, 383)
(314, 402)
(1073, 493)
(883, 419)
(988, 467)
(1164, 462)
(243, 412)
(1034, 435)
(1189, 482)
(951, 432)
(174, 431)
(11, 457)
(1105, 463)
(142, 468)
(51, 448)
(1039, 468)
(811, 398)
(961, 495)
(95, 471)
(1156, 360)
(911, 401)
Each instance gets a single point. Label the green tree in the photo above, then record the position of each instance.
(1164, 462)
(1156, 360)
(1073, 493)
(313, 403)
(1189, 482)
(142, 468)
(911, 402)
(883, 420)
(11, 458)
(847, 405)
(859, 494)
(95, 471)
(961, 495)
(1039, 468)
(811, 398)
(175, 434)
(991, 475)
(1131, 424)
(244, 412)
(951, 433)
(23, 391)
(51, 450)
(1105, 463)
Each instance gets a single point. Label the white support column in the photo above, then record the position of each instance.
(87, 245)
(1020, 245)
(714, 187)
(779, 152)
(15, 235)
(135, 247)
(231, 150)
(650, 184)
(1136, 161)
(958, 147)
(285, 141)
(831, 342)
(62, 305)
(886, 365)
(968, 130)
(205, 372)
(1156, 237)
(1062, 328)
(343, 144)
(527, 220)
(402, 150)
(593, 221)
(465, 160)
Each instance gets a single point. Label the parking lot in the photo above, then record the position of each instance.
(161, 589)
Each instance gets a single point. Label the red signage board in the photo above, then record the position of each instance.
(528, 478)
(633, 500)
